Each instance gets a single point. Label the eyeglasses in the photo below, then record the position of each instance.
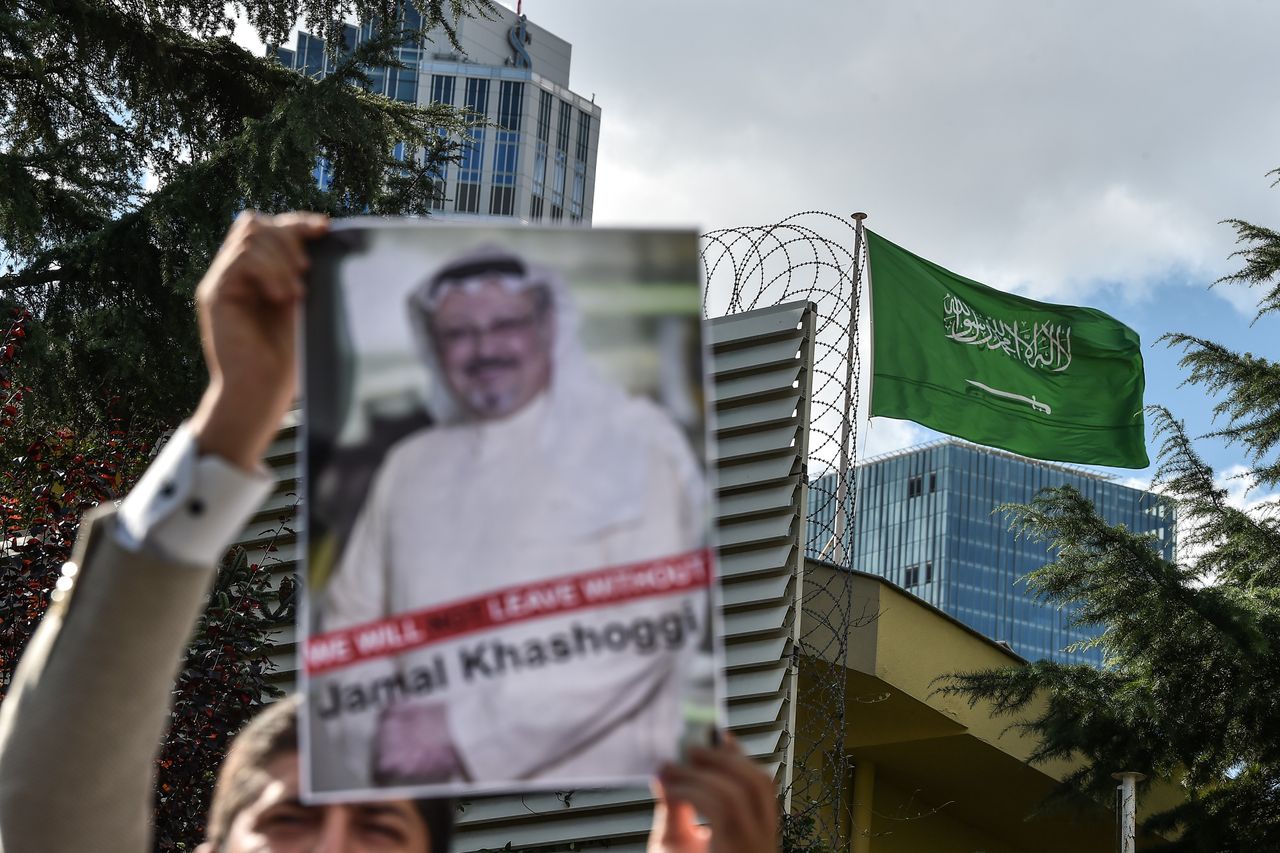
(503, 329)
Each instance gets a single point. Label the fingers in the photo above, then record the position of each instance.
(675, 824)
(247, 310)
(732, 792)
(272, 260)
(263, 257)
(729, 759)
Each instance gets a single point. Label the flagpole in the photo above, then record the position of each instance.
(846, 427)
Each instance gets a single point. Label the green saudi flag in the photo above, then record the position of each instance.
(1047, 381)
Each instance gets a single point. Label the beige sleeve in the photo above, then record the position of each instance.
(82, 723)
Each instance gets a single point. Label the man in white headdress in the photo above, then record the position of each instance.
(536, 468)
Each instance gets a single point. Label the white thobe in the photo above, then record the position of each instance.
(460, 511)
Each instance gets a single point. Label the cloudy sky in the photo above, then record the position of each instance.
(1080, 152)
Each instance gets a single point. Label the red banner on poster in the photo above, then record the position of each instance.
(407, 631)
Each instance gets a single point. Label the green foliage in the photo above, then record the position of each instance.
(1261, 254)
(1190, 691)
(46, 483)
(98, 95)
(800, 834)
(45, 487)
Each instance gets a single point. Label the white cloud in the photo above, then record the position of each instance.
(244, 34)
(885, 435)
(1243, 493)
(1030, 145)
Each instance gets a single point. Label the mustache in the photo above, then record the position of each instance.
(476, 365)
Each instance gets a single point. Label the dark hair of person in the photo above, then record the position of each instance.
(271, 734)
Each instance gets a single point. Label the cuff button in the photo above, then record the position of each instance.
(167, 490)
(195, 507)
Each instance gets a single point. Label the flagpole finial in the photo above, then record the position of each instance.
(859, 216)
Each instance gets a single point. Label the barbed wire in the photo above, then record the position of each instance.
(812, 256)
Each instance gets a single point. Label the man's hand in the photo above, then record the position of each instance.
(247, 306)
(729, 789)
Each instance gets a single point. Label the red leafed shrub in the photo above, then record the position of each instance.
(51, 475)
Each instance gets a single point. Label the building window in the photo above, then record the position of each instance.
(540, 149)
(471, 161)
(584, 137)
(928, 571)
(911, 577)
(467, 199)
(442, 86)
(506, 149)
(545, 101)
(281, 54)
(558, 173)
(502, 200)
(933, 482)
(310, 59)
(406, 84)
(563, 125)
(915, 487)
(510, 105)
(581, 150)
(442, 89)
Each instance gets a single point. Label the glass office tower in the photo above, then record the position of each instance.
(926, 520)
(535, 159)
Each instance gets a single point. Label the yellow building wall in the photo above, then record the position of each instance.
(903, 822)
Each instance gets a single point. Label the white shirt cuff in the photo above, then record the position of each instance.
(187, 507)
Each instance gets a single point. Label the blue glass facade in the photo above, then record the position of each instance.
(400, 84)
(925, 520)
(531, 155)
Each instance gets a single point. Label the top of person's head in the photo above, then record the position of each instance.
(488, 264)
(244, 775)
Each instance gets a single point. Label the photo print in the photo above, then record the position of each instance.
(509, 581)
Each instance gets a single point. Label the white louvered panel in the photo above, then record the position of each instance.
(535, 831)
(752, 386)
(756, 591)
(737, 505)
(504, 808)
(770, 469)
(771, 559)
(732, 332)
(730, 362)
(752, 623)
(756, 712)
(756, 532)
(751, 652)
(757, 683)
(266, 528)
(765, 413)
(740, 446)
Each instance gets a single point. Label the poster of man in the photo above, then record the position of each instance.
(508, 583)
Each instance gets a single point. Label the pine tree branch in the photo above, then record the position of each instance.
(29, 278)
(1249, 384)
(1261, 259)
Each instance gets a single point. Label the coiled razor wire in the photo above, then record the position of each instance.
(812, 256)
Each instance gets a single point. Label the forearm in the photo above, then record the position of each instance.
(85, 714)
